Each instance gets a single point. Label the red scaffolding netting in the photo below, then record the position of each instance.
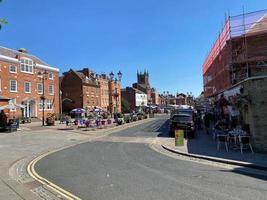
(236, 26)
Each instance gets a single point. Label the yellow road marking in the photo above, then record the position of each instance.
(31, 171)
(52, 186)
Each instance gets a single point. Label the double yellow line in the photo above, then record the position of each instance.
(30, 168)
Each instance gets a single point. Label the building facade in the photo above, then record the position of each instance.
(134, 97)
(80, 89)
(235, 74)
(88, 90)
(155, 99)
(104, 91)
(114, 96)
(24, 78)
(240, 52)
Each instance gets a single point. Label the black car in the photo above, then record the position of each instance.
(182, 121)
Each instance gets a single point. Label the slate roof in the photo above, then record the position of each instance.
(14, 54)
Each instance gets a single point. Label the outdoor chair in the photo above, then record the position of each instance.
(216, 132)
(222, 138)
(244, 141)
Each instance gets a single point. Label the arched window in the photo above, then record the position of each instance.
(26, 65)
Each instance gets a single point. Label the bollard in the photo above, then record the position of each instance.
(179, 137)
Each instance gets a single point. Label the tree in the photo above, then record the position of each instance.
(125, 105)
(2, 21)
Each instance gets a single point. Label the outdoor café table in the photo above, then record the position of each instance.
(235, 134)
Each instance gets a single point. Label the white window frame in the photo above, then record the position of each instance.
(42, 88)
(14, 72)
(41, 104)
(29, 87)
(12, 101)
(53, 89)
(24, 65)
(16, 86)
(50, 104)
(52, 76)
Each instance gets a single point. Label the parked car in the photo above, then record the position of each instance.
(182, 121)
(188, 111)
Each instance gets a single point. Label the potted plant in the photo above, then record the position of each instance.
(50, 120)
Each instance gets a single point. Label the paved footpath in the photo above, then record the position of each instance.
(18, 149)
(205, 147)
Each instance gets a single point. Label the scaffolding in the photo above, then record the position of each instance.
(240, 46)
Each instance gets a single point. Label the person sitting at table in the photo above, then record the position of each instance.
(219, 125)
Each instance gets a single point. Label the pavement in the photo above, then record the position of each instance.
(204, 147)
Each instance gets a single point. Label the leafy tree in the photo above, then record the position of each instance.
(125, 105)
(2, 21)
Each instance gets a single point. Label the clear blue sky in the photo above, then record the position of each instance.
(170, 38)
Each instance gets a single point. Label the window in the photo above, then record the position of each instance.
(12, 101)
(39, 88)
(13, 86)
(26, 65)
(49, 105)
(12, 69)
(41, 104)
(50, 76)
(51, 89)
(27, 87)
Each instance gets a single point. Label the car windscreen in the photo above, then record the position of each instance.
(182, 118)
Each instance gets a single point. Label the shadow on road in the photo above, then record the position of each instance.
(164, 129)
(243, 171)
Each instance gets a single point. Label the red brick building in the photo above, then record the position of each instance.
(20, 80)
(240, 52)
(155, 99)
(80, 89)
(114, 96)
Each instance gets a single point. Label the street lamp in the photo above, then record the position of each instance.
(115, 93)
(42, 75)
(166, 96)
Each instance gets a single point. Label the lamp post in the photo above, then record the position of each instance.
(43, 77)
(166, 96)
(115, 93)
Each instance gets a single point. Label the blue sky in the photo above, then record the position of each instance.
(169, 38)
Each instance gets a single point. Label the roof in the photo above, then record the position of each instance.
(14, 53)
(259, 25)
(138, 91)
(85, 79)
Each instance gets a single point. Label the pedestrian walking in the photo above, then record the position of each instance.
(67, 120)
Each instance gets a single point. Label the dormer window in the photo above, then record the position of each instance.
(12, 69)
(26, 65)
(50, 76)
(86, 79)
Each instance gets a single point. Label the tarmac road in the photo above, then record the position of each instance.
(106, 170)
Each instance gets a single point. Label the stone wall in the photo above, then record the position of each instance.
(256, 115)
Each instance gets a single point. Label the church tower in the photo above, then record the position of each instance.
(143, 78)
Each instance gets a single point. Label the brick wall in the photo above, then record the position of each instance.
(21, 96)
